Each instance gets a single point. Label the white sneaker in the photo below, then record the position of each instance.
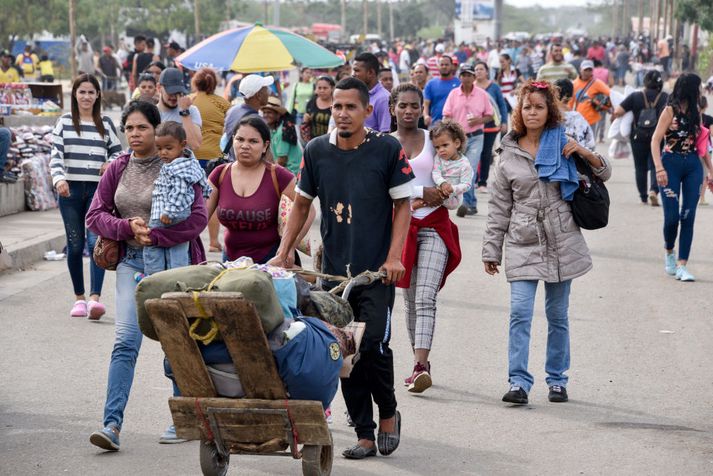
(682, 274)
(670, 264)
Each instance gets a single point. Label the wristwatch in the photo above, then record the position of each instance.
(184, 112)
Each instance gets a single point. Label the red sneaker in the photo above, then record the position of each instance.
(421, 374)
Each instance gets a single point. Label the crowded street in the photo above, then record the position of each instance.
(638, 398)
(356, 238)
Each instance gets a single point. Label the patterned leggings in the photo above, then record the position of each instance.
(420, 297)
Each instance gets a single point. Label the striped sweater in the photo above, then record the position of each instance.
(79, 157)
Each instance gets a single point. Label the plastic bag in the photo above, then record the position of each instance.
(619, 149)
(620, 128)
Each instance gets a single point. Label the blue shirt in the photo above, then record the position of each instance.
(380, 118)
(437, 91)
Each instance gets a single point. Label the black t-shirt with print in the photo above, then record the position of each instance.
(353, 190)
(319, 124)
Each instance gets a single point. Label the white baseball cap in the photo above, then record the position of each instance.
(251, 84)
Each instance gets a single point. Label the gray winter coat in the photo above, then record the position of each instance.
(542, 241)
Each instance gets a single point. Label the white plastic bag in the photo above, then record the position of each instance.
(619, 149)
(627, 122)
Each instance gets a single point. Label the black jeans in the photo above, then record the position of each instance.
(74, 211)
(486, 158)
(373, 375)
(643, 164)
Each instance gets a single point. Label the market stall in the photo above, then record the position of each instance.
(30, 111)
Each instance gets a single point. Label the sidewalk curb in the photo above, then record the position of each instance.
(31, 251)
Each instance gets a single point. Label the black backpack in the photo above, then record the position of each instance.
(590, 204)
(648, 118)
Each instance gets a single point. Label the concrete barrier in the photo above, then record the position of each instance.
(12, 198)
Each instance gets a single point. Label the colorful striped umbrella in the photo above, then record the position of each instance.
(254, 49)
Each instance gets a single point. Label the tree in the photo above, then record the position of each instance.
(696, 11)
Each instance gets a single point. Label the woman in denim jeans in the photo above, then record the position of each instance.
(533, 219)
(679, 171)
(83, 143)
(120, 211)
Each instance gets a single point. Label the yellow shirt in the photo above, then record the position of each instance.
(46, 68)
(9, 76)
(27, 63)
(212, 109)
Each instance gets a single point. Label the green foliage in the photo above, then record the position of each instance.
(696, 11)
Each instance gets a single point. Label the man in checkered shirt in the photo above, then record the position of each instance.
(173, 195)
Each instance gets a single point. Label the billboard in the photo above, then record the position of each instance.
(469, 10)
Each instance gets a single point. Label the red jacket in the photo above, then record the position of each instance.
(446, 229)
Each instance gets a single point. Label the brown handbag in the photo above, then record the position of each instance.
(106, 253)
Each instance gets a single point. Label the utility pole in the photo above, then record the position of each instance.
(266, 19)
(658, 20)
(391, 20)
(344, 20)
(498, 20)
(365, 26)
(655, 20)
(378, 17)
(641, 17)
(197, 15)
(665, 19)
(276, 13)
(73, 36)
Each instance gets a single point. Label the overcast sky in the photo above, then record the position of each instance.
(549, 3)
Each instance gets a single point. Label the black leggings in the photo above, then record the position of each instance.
(486, 158)
(643, 164)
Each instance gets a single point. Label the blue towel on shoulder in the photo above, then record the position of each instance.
(552, 166)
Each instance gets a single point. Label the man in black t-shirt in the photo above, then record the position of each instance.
(363, 181)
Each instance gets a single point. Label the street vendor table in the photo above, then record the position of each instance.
(51, 91)
(32, 121)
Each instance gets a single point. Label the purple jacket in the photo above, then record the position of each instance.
(103, 219)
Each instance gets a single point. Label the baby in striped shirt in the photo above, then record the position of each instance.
(173, 195)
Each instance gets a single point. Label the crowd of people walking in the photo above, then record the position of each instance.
(388, 153)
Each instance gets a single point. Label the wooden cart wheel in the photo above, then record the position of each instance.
(317, 460)
(212, 463)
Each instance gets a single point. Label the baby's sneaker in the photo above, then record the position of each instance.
(95, 310)
(79, 309)
(139, 276)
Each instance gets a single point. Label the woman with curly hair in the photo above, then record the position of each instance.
(529, 211)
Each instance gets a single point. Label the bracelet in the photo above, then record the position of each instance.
(660, 170)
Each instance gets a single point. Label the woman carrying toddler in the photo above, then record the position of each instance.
(431, 250)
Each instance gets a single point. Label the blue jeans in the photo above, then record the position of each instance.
(685, 176)
(127, 340)
(74, 211)
(157, 258)
(5, 140)
(473, 152)
(522, 302)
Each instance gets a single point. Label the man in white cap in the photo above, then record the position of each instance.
(254, 89)
(175, 105)
(590, 94)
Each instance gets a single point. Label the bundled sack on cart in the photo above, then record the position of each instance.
(255, 285)
(322, 304)
(309, 361)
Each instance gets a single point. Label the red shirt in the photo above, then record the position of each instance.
(250, 222)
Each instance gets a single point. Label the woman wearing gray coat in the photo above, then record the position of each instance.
(531, 214)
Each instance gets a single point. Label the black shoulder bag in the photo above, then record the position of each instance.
(590, 205)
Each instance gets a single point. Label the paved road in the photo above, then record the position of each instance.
(640, 385)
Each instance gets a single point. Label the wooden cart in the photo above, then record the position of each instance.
(265, 421)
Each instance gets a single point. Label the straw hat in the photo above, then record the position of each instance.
(275, 104)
